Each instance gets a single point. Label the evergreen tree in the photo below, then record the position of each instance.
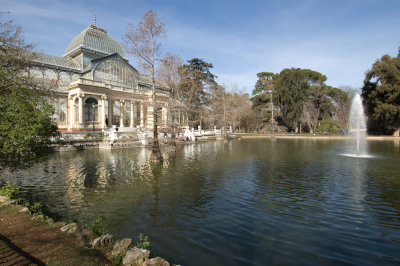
(292, 88)
(381, 94)
(196, 88)
(261, 100)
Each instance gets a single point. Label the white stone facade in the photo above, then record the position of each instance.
(94, 87)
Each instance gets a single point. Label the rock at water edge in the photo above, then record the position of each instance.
(135, 256)
(121, 246)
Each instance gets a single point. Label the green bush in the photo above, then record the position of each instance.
(35, 208)
(100, 136)
(10, 191)
(327, 127)
(144, 242)
(98, 227)
(88, 136)
(94, 136)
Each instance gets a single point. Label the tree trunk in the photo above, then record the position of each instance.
(173, 131)
(156, 155)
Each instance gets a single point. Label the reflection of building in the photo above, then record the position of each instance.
(96, 87)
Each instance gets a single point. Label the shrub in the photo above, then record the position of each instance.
(9, 191)
(88, 136)
(100, 136)
(35, 208)
(98, 227)
(144, 242)
(327, 127)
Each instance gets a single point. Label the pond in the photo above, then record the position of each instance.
(243, 202)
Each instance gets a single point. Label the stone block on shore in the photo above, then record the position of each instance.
(84, 234)
(70, 228)
(37, 217)
(25, 210)
(135, 256)
(3, 199)
(103, 241)
(121, 246)
(157, 261)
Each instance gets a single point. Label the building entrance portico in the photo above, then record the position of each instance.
(89, 108)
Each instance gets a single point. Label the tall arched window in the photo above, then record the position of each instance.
(91, 109)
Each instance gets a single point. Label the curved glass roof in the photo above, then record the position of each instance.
(56, 61)
(96, 39)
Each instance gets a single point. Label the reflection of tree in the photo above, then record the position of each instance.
(155, 190)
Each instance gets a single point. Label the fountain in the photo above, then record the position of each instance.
(357, 129)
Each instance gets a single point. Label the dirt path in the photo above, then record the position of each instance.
(27, 242)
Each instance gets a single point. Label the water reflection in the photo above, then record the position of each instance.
(248, 202)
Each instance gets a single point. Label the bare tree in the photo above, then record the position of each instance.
(142, 42)
(167, 72)
(310, 115)
(342, 106)
(239, 108)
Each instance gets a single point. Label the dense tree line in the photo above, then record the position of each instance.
(300, 100)
(294, 100)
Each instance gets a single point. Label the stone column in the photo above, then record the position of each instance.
(150, 117)
(132, 122)
(71, 117)
(121, 113)
(141, 115)
(80, 117)
(164, 116)
(103, 112)
(110, 112)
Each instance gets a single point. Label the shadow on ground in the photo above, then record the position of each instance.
(10, 254)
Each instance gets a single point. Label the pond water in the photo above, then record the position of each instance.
(245, 202)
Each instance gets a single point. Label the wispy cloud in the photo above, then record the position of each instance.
(340, 39)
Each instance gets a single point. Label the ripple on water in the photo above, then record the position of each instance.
(251, 202)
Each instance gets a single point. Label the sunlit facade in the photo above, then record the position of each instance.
(94, 86)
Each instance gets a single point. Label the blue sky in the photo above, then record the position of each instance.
(338, 38)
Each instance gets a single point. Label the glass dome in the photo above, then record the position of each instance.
(96, 39)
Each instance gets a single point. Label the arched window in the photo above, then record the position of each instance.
(115, 71)
(91, 109)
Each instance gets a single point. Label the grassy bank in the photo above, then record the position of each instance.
(25, 241)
